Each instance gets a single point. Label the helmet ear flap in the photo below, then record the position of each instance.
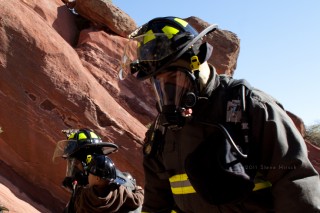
(205, 52)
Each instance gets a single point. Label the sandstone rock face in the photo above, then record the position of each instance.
(103, 12)
(55, 75)
(46, 87)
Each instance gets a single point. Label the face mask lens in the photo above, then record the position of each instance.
(171, 88)
(74, 166)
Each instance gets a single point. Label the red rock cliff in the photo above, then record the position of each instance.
(58, 71)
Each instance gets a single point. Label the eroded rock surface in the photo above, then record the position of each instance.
(56, 74)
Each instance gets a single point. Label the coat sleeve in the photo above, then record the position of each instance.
(131, 199)
(283, 157)
(98, 199)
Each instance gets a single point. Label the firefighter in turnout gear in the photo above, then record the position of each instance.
(78, 149)
(218, 144)
(105, 191)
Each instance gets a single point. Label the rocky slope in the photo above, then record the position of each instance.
(59, 71)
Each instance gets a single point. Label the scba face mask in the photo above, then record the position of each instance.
(177, 93)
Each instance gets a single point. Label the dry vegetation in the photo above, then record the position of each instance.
(313, 134)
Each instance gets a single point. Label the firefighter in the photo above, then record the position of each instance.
(218, 144)
(80, 144)
(105, 191)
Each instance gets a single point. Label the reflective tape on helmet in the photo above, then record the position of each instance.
(93, 135)
(148, 37)
(180, 184)
(71, 136)
(82, 136)
(170, 31)
(182, 22)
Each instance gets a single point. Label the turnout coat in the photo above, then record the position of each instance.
(282, 177)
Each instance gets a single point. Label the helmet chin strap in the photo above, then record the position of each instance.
(194, 65)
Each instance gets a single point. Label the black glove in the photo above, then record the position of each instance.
(81, 178)
(67, 183)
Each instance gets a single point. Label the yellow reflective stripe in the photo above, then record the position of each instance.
(261, 185)
(82, 136)
(93, 135)
(173, 211)
(183, 190)
(148, 37)
(180, 184)
(170, 31)
(71, 136)
(180, 177)
(182, 22)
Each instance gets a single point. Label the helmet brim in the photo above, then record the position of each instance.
(107, 147)
(68, 148)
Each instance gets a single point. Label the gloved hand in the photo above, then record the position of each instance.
(67, 183)
(81, 178)
(137, 188)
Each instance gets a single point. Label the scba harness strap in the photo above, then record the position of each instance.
(237, 108)
(225, 176)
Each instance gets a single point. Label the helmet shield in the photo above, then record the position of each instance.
(147, 49)
(155, 44)
(172, 87)
(74, 167)
(67, 148)
(64, 148)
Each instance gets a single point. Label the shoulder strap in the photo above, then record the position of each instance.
(231, 84)
(242, 88)
(154, 138)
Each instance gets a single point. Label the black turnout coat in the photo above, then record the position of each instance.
(277, 154)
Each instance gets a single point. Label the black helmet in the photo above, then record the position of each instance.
(81, 143)
(159, 43)
(102, 166)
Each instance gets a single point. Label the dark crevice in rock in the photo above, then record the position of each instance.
(47, 105)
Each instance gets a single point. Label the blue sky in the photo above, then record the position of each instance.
(279, 43)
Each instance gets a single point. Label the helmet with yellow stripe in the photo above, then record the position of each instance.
(169, 51)
(82, 142)
(102, 166)
(157, 44)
